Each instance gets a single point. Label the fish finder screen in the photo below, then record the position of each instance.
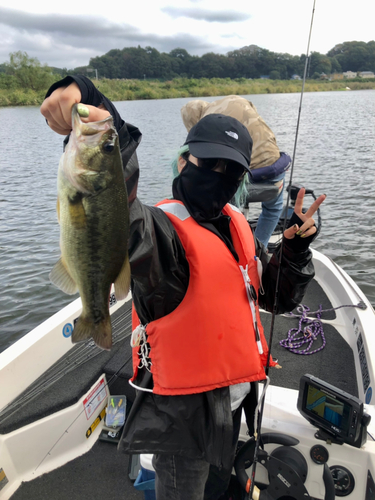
(331, 410)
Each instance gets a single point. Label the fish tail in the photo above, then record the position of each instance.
(101, 332)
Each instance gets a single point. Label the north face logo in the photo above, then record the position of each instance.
(232, 134)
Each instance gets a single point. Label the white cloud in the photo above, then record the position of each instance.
(211, 16)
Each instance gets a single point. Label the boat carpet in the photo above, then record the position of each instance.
(334, 363)
(70, 378)
(100, 473)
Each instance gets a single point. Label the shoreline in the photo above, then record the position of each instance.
(134, 90)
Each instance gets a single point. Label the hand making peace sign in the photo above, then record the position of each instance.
(308, 227)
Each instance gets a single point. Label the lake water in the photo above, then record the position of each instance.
(335, 155)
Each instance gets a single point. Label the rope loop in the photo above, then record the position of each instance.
(300, 340)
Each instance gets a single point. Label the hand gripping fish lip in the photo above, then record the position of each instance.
(80, 127)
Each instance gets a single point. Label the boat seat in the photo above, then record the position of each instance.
(262, 191)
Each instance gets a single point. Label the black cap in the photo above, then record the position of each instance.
(220, 136)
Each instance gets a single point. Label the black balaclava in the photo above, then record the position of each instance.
(204, 192)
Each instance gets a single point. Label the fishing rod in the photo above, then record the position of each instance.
(277, 288)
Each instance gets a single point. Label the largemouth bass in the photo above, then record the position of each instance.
(93, 214)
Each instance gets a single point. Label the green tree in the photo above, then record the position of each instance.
(371, 54)
(335, 65)
(180, 61)
(354, 56)
(212, 66)
(357, 57)
(319, 63)
(274, 75)
(28, 73)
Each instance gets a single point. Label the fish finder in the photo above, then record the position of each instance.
(339, 416)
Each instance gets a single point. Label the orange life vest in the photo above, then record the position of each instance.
(209, 340)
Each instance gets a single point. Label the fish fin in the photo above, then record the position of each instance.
(122, 282)
(101, 332)
(61, 278)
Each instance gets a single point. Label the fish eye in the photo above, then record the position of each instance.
(108, 146)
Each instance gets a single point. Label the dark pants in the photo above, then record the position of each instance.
(182, 478)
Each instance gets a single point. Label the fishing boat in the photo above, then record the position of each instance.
(54, 441)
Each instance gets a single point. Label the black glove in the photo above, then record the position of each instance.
(298, 244)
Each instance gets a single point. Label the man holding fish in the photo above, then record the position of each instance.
(198, 278)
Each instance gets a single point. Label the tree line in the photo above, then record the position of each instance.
(136, 63)
(247, 62)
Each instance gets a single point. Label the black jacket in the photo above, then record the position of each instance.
(197, 425)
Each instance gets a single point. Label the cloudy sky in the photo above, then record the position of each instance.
(66, 34)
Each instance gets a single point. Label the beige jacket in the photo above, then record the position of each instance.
(265, 151)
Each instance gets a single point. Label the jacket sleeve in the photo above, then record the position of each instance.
(297, 271)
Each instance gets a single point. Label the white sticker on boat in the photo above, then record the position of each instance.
(95, 398)
(67, 330)
(3, 479)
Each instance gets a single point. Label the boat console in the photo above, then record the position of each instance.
(292, 461)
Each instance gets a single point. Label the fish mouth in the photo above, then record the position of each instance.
(91, 128)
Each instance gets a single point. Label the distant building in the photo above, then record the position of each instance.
(349, 74)
(265, 77)
(296, 77)
(366, 74)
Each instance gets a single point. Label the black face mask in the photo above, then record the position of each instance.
(204, 192)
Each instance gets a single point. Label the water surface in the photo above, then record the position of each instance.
(335, 155)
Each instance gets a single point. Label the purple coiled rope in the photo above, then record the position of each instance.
(311, 331)
(307, 335)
